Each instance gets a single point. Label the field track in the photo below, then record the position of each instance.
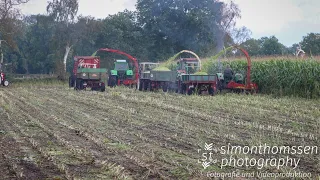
(49, 131)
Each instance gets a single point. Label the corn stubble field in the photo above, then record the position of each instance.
(51, 131)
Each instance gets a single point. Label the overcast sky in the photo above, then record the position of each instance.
(288, 20)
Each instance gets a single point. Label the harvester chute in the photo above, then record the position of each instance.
(131, 58)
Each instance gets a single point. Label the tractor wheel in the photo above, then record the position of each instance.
(112, 82)
(211, 91)
(183, 89)
(165, 87)
(103, 88)
(145, 85)
(75, 85)
(220, 85)
(79, 84)
(6, 83)
(190, 91)
(140, 85)
(253, 91)
(71, 83)
(178, 88)
(150, 86)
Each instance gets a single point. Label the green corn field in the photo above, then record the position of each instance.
(280, 77)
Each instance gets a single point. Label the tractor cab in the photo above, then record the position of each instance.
(188, 65)
(122, 70)
(223, 81)
(147, 66)
(121, 74)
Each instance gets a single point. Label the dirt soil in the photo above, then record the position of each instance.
(53, 132)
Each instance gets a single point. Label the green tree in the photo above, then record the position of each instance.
(9, 25)
(270, 46)
(35, 47)
(311, 44)
(174, 25)
(64, 13)
(253, 46)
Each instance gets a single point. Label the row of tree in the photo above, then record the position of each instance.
(155, 31)
(270, 46)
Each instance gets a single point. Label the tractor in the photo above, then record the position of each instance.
(237, 82)
(3, 80)
(121, 74)
(124, 73)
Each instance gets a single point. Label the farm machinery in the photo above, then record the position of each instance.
(154, 79)
(182, 80)
(188, 78)
(122, 74)
(3, 80)
(87, 74)
(190, 82)
(237, 83)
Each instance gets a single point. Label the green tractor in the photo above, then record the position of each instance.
(121, 74)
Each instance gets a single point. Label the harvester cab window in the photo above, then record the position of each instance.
(148, 68)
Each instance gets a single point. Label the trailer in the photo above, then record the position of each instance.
(191, 83)
(155, 80)
(88, 74)
(182, 80)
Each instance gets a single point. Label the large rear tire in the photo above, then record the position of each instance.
(112, 82)
(191, 91)
(211, 91)
(165, 87)
(103, 88)
(71, 81)
(150, 86)
(140, 85)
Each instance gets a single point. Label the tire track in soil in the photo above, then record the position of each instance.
(137, 155)
(21, 160)
(167, 135)
(133, 168)
(156, 137)
(76, 169)
(162, 144)
(123, 123)
(287, 137)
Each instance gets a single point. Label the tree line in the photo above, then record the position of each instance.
(155, 31)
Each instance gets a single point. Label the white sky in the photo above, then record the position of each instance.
(288, 20)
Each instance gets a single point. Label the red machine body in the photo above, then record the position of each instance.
(127, 82)
(248, 86)
(85, 62)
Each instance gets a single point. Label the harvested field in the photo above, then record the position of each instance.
(51, 131)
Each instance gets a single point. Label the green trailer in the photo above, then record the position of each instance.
(93, 78)
(152, 79)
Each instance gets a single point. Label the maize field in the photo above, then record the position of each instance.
(280, 77)
(49, 131)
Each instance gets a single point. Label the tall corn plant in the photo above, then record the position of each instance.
(281, 77)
